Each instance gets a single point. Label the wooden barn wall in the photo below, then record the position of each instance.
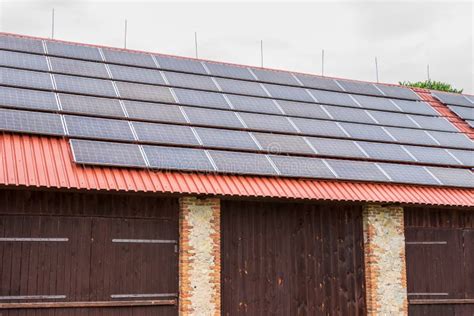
(89, 267)
(444, 264)
(292, 259)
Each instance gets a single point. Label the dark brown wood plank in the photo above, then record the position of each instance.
(87, 304)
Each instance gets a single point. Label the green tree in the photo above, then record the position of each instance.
(432, 85)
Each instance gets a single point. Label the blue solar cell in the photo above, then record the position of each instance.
(318, 127)
(27, 99)
(340, 113)
(431, 155)
(397, 92)
(393, 118)
(435, 123)
(357, 170)
(464, 112)
(302, 167)
(452, 98)
(411, 136)
(416, 107)
(366, 132)
(242, 163)
(288, 93)
(21, 44)
(25, 79)
(210, 117)
(253, 104)
(31, 122)
(174, 158)
(154, 112)
(165, 134)
(128, 58)
(375, 103)
(241, 87)
(359, 87)
(466, 157)
(382, 151)
(275, 76)
(226, 139)
(277, 143)
(144, 92)
(177, 79)
(89, 127)
(201, 98)
(408, 174)
(180, 64)
(336, 147)
(25, 61)
(309, 110)
(135, 74)
(229, 71)
(72, 103)
(81, 85)
(335, 98)
(459, 140)
(78, 67)
(274, 123)
(454, 176)
(73, 51)
(318, 82)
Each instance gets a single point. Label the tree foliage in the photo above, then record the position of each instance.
(432, 85)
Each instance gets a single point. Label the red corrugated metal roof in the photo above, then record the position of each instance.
(46, 162)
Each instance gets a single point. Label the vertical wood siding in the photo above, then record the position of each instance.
(292, 259)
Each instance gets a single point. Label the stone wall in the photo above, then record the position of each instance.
(385, 268)
(199, 257)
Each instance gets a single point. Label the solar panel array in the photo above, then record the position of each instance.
(130, 109)
(461, 105)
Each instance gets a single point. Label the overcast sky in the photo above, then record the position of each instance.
(404, 35)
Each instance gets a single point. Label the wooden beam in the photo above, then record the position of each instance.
(91, 304)
(441, 301)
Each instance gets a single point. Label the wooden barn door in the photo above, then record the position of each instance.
(291, 259)
(66, 254)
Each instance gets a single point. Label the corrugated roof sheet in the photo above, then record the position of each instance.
(46, 162)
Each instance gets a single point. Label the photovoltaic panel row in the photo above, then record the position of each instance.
(220, 138)
(21, 44)
(97, 128)
(178, 79)
(128, 58)
(241, 87)
(174, 158)
(95, 106)
(180, 64)
(25, 78)
(317, 82)
(229, 71)
(288, 93)
(27, 99)
(82, 85)
(137, 91)
(397, 92)
(141, 75)
(25, 61)
(154, 112)
(452, 98)
(31, 122)
(359, 87)
(273, 76)
(463, 112)
(79, 67)
(73, 51)
(165, 134)
(253, 104)
(201, 98)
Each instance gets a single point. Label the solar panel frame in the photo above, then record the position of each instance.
(31, 122)
(144, 92)
(73, 103)
(336, 147)
(359, 87)
(288, 93)
(190, 81)
(177, 158)
(180, 64)
(274, 76)
(78, 67)
(249, 88)
(25, 79)
(28, 99)
(98, 128)
(217, 118)
(357, 170)
(302, 167)
(24, 61)
(318, 82)
(73, 51)
(21, 44)
(135, 74)
(242, 163)
(128, 58)
(277, 143)
(408, 174)
(201, 98)
(318, 127)
(306, 110)
(454, 176)
(274, 123)
(107, 153)
(253, 104)
(229, 71)
(226, 139)
(157, 112)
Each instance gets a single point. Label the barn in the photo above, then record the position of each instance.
(137, 183)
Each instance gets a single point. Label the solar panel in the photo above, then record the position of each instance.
(136, 74)
(289, 93)
(243, 163)
(367, 132)
(470, 98)
(241, 87)
(81, 85)
(21, 44)
(375, 103)
(78, 67)
(318, 82)
(416, 107)
(229, 71)
(180, 64)
(201, 98)
(27, 99)
(221, 138)
(274, 76)
(302, 167)
(411, 136)
(463, 112)
(154, 112)
(90, 105)
(128, 58)
(336, 147)
(174, 158)
(165, 134)
(277, 144)
(253, 104)
(318, 128)
(383, 151)
(452, 98)
(25, 78)
(408, 174)
(335, 98)
(73, 51)
(105, 153)
(436, 123)
(177, 79)
(90, 127)
(137, 91)
(431, 155)
(454, 176)
(266, 122)
(359, 87)
(30, 122)
(303, 109)
(470, 122)
(466, 157)
(25, 61)
(356, 170)
(393, 118)
(452, 139)
(398, 92)
(212, 117)
(340, 113)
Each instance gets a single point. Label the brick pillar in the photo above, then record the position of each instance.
(385, 269)
(199, 256)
